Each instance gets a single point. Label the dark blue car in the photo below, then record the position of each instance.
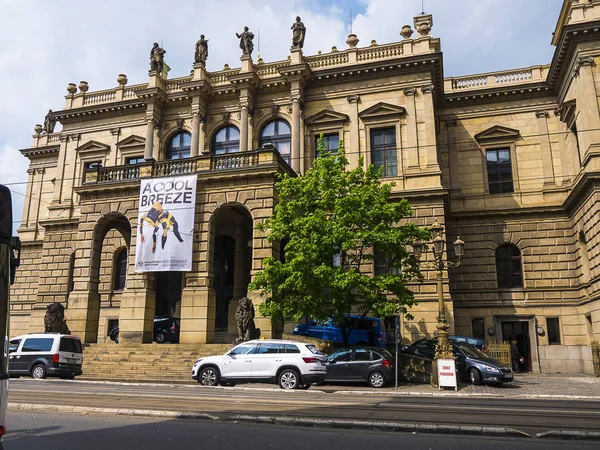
(365, 331)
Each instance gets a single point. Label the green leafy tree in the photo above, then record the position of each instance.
(331, 223)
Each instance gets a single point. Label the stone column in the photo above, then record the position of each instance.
(588, 121)
(244, 127)
(202, 136)
(296, 134)
(453, 155)
(60, 169)
(430, 137)
(354, 144)
(195, 134)
(545, 149)
(148, 149)
(412, 143)
(28, 194)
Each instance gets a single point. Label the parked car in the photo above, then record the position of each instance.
(45, 354)
(475, 342)
(166, 329)
(369, 364)
(359, 333)
(471, 363)
(290, 364)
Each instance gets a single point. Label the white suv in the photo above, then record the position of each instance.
(291, 364)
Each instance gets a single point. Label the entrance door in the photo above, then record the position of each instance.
(224, 270)
(168, 294)
(519, 331)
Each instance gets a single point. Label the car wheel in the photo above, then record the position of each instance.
(288, 379)
(475, 377)
(377, 380)
(38, 372)
(209, 377)
(160, 337)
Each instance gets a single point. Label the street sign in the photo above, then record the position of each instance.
(446, 373)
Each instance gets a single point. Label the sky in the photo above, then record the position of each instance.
(46, 45)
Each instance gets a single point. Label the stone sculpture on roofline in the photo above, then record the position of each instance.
(246, 43)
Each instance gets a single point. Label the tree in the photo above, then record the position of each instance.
(333, 224)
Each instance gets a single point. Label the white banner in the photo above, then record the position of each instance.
(166, 224)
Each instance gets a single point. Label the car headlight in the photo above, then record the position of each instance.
(296, 329)
(491, 369)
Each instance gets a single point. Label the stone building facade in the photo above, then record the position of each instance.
(509, 161)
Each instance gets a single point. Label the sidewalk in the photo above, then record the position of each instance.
(523, 386)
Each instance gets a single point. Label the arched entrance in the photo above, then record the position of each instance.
(231, 265)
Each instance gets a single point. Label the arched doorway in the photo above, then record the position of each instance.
(231, 264)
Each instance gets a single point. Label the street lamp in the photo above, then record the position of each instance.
(443, 349)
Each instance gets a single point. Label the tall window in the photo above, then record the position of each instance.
(508, 266)
(499, 170)
(226, 140)
(331, 141)
(383, 151)
(278, 133)
(120, 274)
(553, 330)
(383, 264)
(179, 146)
(477, 325)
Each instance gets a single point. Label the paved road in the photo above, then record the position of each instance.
(531, 416)
(50, 431)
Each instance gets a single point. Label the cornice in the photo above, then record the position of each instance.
(88, 111)
(40, 152)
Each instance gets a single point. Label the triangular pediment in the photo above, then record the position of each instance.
(93, 147)
(497, 133)
(326, 117)
(381, 109)
(132, 141)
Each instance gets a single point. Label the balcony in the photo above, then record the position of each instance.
(254, 160)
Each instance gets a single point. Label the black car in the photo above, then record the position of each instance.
(471, 363)
(361, 364)
(166, 329)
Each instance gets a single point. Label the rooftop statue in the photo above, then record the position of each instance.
(157, 56)
(49, 122)
(201, 51)
(246, 43)
(298, 33)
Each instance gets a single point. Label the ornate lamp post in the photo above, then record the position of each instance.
(443, 350)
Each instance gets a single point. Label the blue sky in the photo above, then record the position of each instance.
(44, 48)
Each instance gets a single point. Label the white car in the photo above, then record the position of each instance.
(291, 364)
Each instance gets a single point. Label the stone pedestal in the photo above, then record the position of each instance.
(297, 56)
(199, 72)
(136, 316)
(83, 314)
(247, 65)
(198, 308)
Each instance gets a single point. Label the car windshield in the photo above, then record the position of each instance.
(472, 352)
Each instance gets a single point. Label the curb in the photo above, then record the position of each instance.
(282, 420)
(568, 434)
(381, 426)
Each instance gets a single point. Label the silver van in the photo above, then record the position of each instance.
(45, 354)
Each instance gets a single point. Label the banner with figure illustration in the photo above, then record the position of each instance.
(166, 224)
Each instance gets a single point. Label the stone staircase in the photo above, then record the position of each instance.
(163, 363)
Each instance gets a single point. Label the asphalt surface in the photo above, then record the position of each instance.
(260, 403)
(50, 431)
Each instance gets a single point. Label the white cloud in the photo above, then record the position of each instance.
(47, 45)
(13, 171)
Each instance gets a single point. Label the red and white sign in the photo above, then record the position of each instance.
(447, 373)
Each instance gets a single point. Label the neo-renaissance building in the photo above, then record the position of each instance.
(509, 161)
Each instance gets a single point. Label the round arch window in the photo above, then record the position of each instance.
(278, 133)
(226, 140)
(179, 146)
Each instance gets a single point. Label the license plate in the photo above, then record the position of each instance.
(71, 360)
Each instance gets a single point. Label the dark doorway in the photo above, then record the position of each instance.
(519, 331)
(168, 293)
(224, 270)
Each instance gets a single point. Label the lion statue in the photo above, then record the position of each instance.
(244, 316)
(54, 320)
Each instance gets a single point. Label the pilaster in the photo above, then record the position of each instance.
(412, 147)
(545, 149)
